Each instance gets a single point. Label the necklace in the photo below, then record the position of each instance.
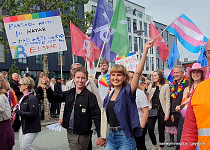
(180, 88)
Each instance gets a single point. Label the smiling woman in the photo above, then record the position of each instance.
(120, 103)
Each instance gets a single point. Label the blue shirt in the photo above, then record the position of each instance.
(126, 111)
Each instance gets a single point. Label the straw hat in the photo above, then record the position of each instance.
(196, 66)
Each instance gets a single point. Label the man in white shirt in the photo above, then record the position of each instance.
(143, 111)
(104, 65)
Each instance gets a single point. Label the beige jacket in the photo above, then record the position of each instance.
(91, 86)
(5, 110)
(164, 97)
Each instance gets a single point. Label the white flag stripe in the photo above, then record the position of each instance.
(189, 31)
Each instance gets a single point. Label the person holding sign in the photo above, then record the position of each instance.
(120, 106)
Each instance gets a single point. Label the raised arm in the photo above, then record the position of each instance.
(139, 69)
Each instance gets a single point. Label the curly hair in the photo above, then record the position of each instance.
(120, 69)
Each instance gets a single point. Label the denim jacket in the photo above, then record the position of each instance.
(126, 111)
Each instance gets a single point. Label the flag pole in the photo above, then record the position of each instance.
(164, 29)
(87, 54)
(101, 51)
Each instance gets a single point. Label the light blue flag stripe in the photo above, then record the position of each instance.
(188, 46)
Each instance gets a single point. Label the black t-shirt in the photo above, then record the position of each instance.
(112, 119)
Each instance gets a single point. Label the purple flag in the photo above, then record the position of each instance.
(103, 17)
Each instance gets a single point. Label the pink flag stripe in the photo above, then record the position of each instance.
(189, 25)
(186, 37)
(189, 31)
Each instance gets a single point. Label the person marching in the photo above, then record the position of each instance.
(120, 106)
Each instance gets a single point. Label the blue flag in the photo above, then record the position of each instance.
(202, 58)
(173, 56)
(103, 17)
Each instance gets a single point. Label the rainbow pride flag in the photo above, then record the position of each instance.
(104, 81)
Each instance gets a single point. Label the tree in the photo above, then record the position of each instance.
(68, 10)
(13, 69)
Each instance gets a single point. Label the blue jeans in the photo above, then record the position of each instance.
(118, 141)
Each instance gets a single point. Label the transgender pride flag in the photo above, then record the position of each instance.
(187, 33)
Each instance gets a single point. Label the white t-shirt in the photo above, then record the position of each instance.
(141, 102)
(102, 89)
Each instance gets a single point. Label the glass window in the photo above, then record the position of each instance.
(110, 2)
(140, 24)
(94, 9)
(145, 41)
(22, 60)
(140, 14)
(38, 59)
(151, 50)
(167, 35)
(134, 25)
(152, 63)
(162, 32)
(129, 10)
(135, 44)
(129, 24)
(2, 54)
(157, 63)
(130, 42)
(141, 45)
(162, 65)
(157, 51)
(145, 29)
(147, 63)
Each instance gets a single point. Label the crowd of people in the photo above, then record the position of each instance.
(132, 104)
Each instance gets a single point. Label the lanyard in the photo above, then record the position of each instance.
(75, 97)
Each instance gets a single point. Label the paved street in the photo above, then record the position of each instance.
(51, 140)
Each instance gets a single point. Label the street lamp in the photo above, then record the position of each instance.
(138, 32)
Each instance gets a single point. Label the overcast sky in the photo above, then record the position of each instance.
(165, 11)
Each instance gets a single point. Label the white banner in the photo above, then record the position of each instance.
(130, 62)
(35, 34)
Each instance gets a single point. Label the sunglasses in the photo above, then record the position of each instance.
(207, 53)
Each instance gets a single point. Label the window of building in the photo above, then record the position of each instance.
(141, 45)
(135, 44)
(130, 42)
(151, 50)
(61, 56)
(2, 54)
(145, 29)
(167, 35)
(22, 60)
(162, 32)
(162, 65)
(145, 41)
(129, 10)
(157, 63)
(134, 25)
(140, 24)
(152, 63)
(147, 63)
(94, 9)
(110, 2)
(38, 59)
(157, 51)
(140, 14)
(129, 24)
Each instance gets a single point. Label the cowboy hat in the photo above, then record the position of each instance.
(196, 66)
